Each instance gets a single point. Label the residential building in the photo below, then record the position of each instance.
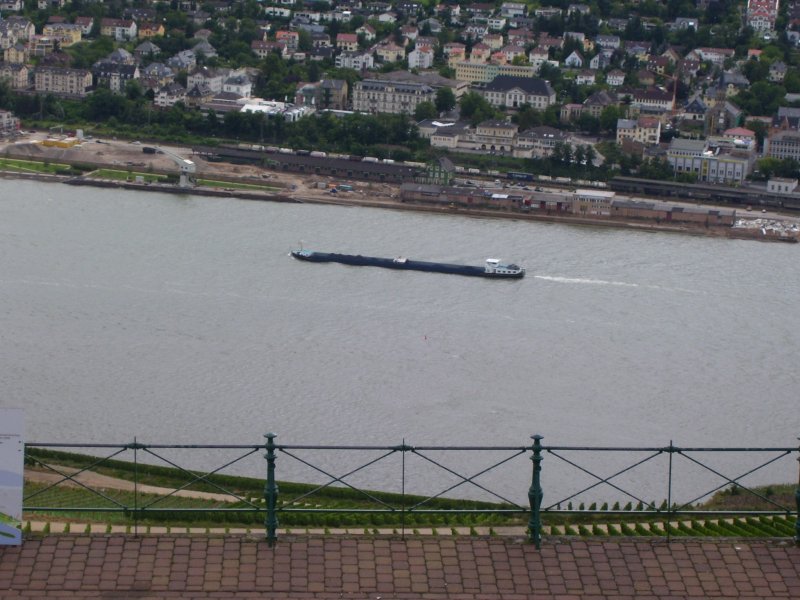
(420, 58)
(574, 60)
(493, 40)
(238, 84)
(291, 39)
(608, 41)
(85, 23)
(212, 78)
(496, 135)
(63, 82)
(198, 95)
(381, 96)
(8, 6)
(122, 30)
(485, 72)
(716, 56)
(777, 71)
(150, 29)
(537, 57)
(355, 60)
(598, 101)
(615, 78)
(333, 94)
(156, 75)
(67, 33)
(263, 49)
(204, 50)
(651, 99)
(592, 202)
(781, 185)
(169, 95)
(8, 122)
(645, 130)
(17, 75)
(539, 142)
(717, 161)
(762, 14)
(513, 9)
(183, 61)
(146, 49)
(783, 144)
(368, 31)
(347, 41)
(114, 76)
(514, 92)
(390, 52)
(585, 77)
(18, 54)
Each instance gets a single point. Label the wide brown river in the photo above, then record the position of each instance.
(183, 320)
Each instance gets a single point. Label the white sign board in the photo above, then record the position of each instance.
(12, 459)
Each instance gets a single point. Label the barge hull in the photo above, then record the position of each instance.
(402, 264)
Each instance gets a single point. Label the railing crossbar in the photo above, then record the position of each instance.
(335, 479)
(468, 479)
(68, 477)
(601, 480)
(201, 477)
(736, 480)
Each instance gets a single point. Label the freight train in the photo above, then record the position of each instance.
(705, 192)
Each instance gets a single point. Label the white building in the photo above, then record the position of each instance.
(420, 58)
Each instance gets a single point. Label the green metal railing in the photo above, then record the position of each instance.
(404, 504)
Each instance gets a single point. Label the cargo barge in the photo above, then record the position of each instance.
(493, 268)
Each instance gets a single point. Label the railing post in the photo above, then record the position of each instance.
(535, 494)
(797, 501)
(271, 492)
(669, 494)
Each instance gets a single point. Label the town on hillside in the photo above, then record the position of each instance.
(698, 91)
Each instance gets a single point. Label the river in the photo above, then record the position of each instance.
(180, 319)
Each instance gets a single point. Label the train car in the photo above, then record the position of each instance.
(302, 152)
(317, 154)
(474, 171)
(519, 176)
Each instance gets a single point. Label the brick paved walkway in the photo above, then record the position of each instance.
(434, 568)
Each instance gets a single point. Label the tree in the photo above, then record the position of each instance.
(588, 123)
(445, 99)
(609, 117)
(476, 108)
(425, 110)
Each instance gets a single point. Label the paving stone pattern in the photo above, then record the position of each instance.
(327, 567)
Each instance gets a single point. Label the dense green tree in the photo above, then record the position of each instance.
(475, 108)
(761, 98)
(588, 123)
(445, 99)
(609, 117)
(425, 110)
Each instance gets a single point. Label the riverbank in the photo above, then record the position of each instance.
(297, 188)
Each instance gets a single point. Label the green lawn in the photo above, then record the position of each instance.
(119, 175)
(237, 186)
(31, 166)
